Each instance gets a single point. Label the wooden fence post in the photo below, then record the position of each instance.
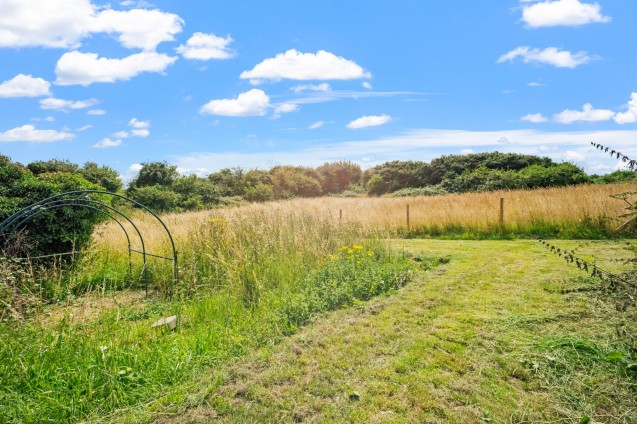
(501, 221)
(408, 228)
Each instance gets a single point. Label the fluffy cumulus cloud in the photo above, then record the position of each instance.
(31, 134)
(107, 143)
(205, 47)
(562, 13)
(48, 23)
(64, 105)
(295, 65)
(536, 118)
(76, 68)
(251, 103)
(64, 23)
(549, 56)
(630, 116)
(587, 114)
(369, 121)
(25, 86)
(138, 28)
(139, 128)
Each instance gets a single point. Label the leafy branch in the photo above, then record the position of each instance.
(630, 163)
(592, 269)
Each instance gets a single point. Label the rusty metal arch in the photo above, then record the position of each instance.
(81, 198)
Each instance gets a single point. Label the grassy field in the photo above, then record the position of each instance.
(244, 284)
(485, 338)
(584, 211)
(79, 344)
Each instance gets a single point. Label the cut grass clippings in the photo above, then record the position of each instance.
(486, 338)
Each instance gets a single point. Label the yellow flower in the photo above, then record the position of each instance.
(350, 251)
(358, 247)
(370, 253)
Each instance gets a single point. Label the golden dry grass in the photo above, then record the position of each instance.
(477, 212)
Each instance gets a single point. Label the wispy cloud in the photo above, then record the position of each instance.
(426, 144)
(548, 56)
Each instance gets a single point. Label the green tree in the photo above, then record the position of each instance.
(102, 175)
(53, 165)
(155, 173)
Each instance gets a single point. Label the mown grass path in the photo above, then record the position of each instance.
(485, 338)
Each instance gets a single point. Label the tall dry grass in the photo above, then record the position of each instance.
(571, 210)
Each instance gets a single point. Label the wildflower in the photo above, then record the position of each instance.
(358, 247)
(370, 253)
(350, 251)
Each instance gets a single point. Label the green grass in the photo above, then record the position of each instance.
(66, 370)
(487, 337)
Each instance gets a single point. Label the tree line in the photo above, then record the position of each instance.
(161, 187)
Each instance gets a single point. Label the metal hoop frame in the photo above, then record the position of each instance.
(81, 198)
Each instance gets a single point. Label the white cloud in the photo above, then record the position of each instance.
(369, 121)
(550, 56)
(536, 84)
(286, 108)
(536, 118)
(121, 134)
(64, 23)
(139, 128)
(630, 116)
(573, 156)
(562, 13)
(295, 65)
(84, 128)
(106, 143)
(466, 151)
(136, 123)
(49, 119)
(140, 133)
(47, 23)
(367, 85)
(64, 105)
(25, 86)
(315, 125)
(322, 87)
(87, 68)
(205, 47)
(136, 167)
(96, 112)
(138, 28)
(425, 144)
(587, 114)
(30, 133)
(251, 103)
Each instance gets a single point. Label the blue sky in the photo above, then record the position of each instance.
(205, 85)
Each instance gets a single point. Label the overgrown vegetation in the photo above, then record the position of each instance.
(62, 229)
(247, 279)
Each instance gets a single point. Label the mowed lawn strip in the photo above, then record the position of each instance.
(485, 338)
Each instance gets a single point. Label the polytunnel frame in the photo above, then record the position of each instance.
(79, 198)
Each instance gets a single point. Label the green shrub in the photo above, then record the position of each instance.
(422, 191)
